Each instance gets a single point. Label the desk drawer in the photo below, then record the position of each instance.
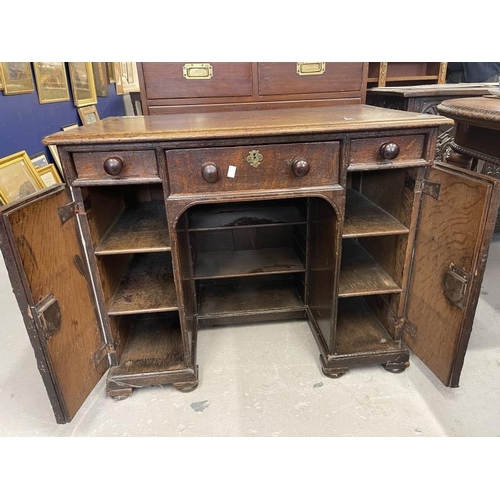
(119, 165)
(398, 149)
(274, 167)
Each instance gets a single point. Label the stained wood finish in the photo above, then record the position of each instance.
(455, 229)
(364, 218)
(368, 151)
(283, 78)
(361, 274)
(274, 170)
(245, 215)
(247, 262)
(136, 164)
(140, 228)
(44, 268)
(244, 124)
(359, 331)
(147, 286)
(243, 298)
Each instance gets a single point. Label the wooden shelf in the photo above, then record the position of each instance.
(364, 218)
(249, 297)
(247, 263)
(231, 216)
(148, 286)
(154, 344)
(360, 274)
(359, 331)
(139, 229)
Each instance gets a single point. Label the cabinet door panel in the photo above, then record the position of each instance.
(49, 278)
(453, 237)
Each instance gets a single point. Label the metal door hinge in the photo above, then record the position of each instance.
(429, 188)
(48, 313)
(407, 328)
(69, 210)
(100, 355)
(455, 285)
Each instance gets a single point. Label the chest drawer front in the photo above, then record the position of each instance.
(387, 150)
(279, 167)
(175, 80)
(96, 165)
(309, 78)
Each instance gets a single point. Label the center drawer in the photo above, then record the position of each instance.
(281, 166)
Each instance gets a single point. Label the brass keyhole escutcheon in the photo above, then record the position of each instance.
(254, 158)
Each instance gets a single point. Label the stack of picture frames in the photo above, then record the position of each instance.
(88, 81)
(21, 176)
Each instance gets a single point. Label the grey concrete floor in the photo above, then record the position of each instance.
(265, 380)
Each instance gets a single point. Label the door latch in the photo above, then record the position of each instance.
(48, 313)
(456, 284)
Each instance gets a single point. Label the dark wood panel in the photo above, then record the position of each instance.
(233, 215)
(364, 218)
(140, 228)
(360, 274)
(359, 331)
(147, 286)
(247, 262)
(154, 345)
(252, 296)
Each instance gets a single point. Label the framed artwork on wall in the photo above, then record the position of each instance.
(100, 78)
(17, 78)
(88, 114)
(18, 177)
(49, 175)
(51, 82)
(82, 83)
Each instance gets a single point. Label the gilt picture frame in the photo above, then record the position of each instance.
(51, 82)
(18, 177)
(17, 78)
(88, 115)
(49, 175)
(81, 76)
(100, 78)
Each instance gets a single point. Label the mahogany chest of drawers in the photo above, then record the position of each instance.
(337, 215)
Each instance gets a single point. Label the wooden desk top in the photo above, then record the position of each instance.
(436, 90)
(480, 111)
(234, 124)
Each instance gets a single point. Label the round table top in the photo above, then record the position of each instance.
(481, 111)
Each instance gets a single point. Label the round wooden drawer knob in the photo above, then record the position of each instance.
(113, 166)
(300, 167)
(389, 150)
(210, 172)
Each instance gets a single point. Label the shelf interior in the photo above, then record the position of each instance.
(234, 215)
(139, 228)
(228, 264)
(146, 286)
(365, 218)
(154, 344)
(252, 295)
(360, 274)
(359, 330)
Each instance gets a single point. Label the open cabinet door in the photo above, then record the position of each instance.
(46, 265)
(457, 217)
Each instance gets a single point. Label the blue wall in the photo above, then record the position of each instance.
(24, 122)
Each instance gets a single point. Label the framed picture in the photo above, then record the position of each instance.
(88, 114)
(111, 72)
(118, 78)
(49, 175)
(82, 83)
(55, 155)
(71, 126)
(39, 160)
(17, 78)
(18, 177)
(100, 78)
(51, 82)
(1, 78)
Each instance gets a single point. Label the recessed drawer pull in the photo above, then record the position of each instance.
(310, 68)
(300, 167)
(389, 150)
(113, 166)
(197, 71)
(210, 172)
